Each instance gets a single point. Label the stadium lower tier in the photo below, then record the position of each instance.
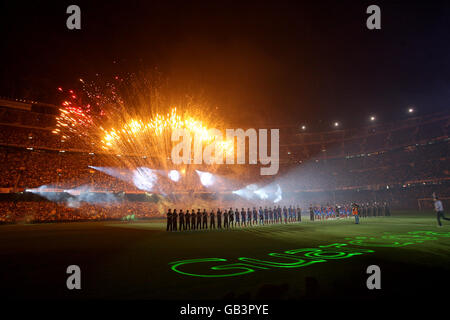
(29, 208)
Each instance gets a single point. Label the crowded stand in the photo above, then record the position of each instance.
(399, 163)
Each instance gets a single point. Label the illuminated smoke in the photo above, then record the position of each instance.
(253, 192)
(144, 178)
(75, 196)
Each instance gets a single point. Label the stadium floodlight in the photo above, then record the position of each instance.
(303, 127)
(372, 118)
(206, 178)
(174, 175)
(410, 110)
(336, 124)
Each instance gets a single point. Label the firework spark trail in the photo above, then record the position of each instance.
(135, 128)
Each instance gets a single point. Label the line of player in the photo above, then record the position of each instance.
(225, 219)
(230, 218)
(346, 211)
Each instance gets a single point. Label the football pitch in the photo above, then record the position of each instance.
(307, 260)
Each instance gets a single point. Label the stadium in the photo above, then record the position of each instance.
(89, 177)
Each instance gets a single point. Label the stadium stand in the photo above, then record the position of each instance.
(396, 162)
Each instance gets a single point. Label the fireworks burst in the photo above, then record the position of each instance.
(135, 124)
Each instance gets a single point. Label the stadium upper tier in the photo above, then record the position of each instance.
(413, 151)
(26, 125)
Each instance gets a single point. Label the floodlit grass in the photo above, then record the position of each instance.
(131, 260)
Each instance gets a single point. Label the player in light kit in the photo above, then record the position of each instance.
(439, 208)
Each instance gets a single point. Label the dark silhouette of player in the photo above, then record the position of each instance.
(231, 217)
(266, 215)
(181, 217)
(169, 220)
(255, 216)
(174, 220)
(187, 217)
(270, 215)
(243, 215)
(205, 219)
(226, 223)
(192, 219)
(199, 220)
(236, 215)
(387, 210)
(219, 219)
(212, 220)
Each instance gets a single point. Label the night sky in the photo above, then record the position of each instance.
(279, 62)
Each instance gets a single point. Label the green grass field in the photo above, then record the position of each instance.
(131, 260)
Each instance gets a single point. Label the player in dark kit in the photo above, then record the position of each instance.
(369, 209)
(249, 217)
(174, 220)
(181, 217)
(212, 220)
(285, 213)
(236, 215)
(299, 214)
(187, 218)
(192, 219)
(261, 215)
(387, 211)
(199, 220)
(219, 219)
(205, 219)
(231, 217)
(243, 215)
(255, 216)
(270, 215)
(311, 213)
(169, 220)
(266, 215)
(226, 224)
